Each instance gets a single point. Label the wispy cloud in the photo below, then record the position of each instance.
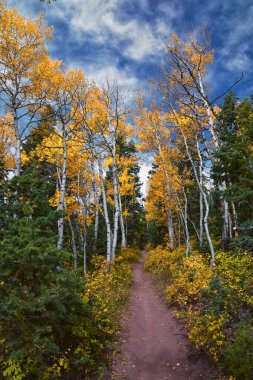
(102, 22)
(123, 38)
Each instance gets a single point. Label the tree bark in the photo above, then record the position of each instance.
(206, 216)
(187, 234)
(222, 186)
(73, 243)
(62, 189)
(201, 208)
(106, 216)
(96, 228)
(116, 201)
(85, 238)
(122, 226)
(170, 220)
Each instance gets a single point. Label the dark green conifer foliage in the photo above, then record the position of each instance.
(235, 163)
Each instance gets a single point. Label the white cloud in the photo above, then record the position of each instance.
(237, 36)
(170, 10)
(109, 69)
(101, 20)
(126, 80)
(240, 61)
(114, 34)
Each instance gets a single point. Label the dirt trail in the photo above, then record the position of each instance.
(154, 346)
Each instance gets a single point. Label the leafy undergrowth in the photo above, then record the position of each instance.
(62, 328)
(215, 304)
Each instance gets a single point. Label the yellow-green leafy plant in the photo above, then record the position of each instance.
(214, 303)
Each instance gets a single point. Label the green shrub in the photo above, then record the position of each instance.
(238, 352)
(128, 255)
(187, 280)
(54, 324)
(40, 303)
(214, 304)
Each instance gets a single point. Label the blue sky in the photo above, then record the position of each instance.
(123, 38)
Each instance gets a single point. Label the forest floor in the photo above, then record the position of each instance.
(153, 344)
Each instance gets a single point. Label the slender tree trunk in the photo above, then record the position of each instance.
(171, 229)
(85, 238)
(106, 215)
(170, 220)
(195, 228)
(18, 156)
(18, 144)
(201, 206)
(187, 234)
(208, 112)
(225, 224)
(96, 227)
(206, 216)
(183, 218)
(116, 201)
(122, 227)
(80, 237)
(73, 243)
(179, 229)
(230, 224)
(96, 196)
(222, 186)
(62, 189)
(236, 224)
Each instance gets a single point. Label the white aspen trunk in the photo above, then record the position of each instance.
(106, 216)
(116, 201)
(225, 221)
(126, 229)
(17, 169)
(230, 224)
(201, 208)
(206, 216)
(122, 226)
(96, 196)
(80, 237)
(222, 186)
(201, 217)
(73, 243)
(179, 230)
(171, 229)
(96, 227)
(208, 112)
(18, 144)
(85, 239)
(58, 180)
(183, 219)
(170, 220)
(195, 228)
(62, 189)
(236, 224)
(187, 234)
(18, 156)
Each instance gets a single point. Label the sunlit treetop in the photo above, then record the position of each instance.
(22, 40)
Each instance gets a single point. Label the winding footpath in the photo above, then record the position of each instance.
(153, 344)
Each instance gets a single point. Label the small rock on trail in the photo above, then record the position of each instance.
(153, 346)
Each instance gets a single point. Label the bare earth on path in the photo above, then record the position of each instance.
(153, 346)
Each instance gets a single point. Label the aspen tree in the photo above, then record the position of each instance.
(184, 73)
(23, 56)
(182, 122)
(153, 134)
